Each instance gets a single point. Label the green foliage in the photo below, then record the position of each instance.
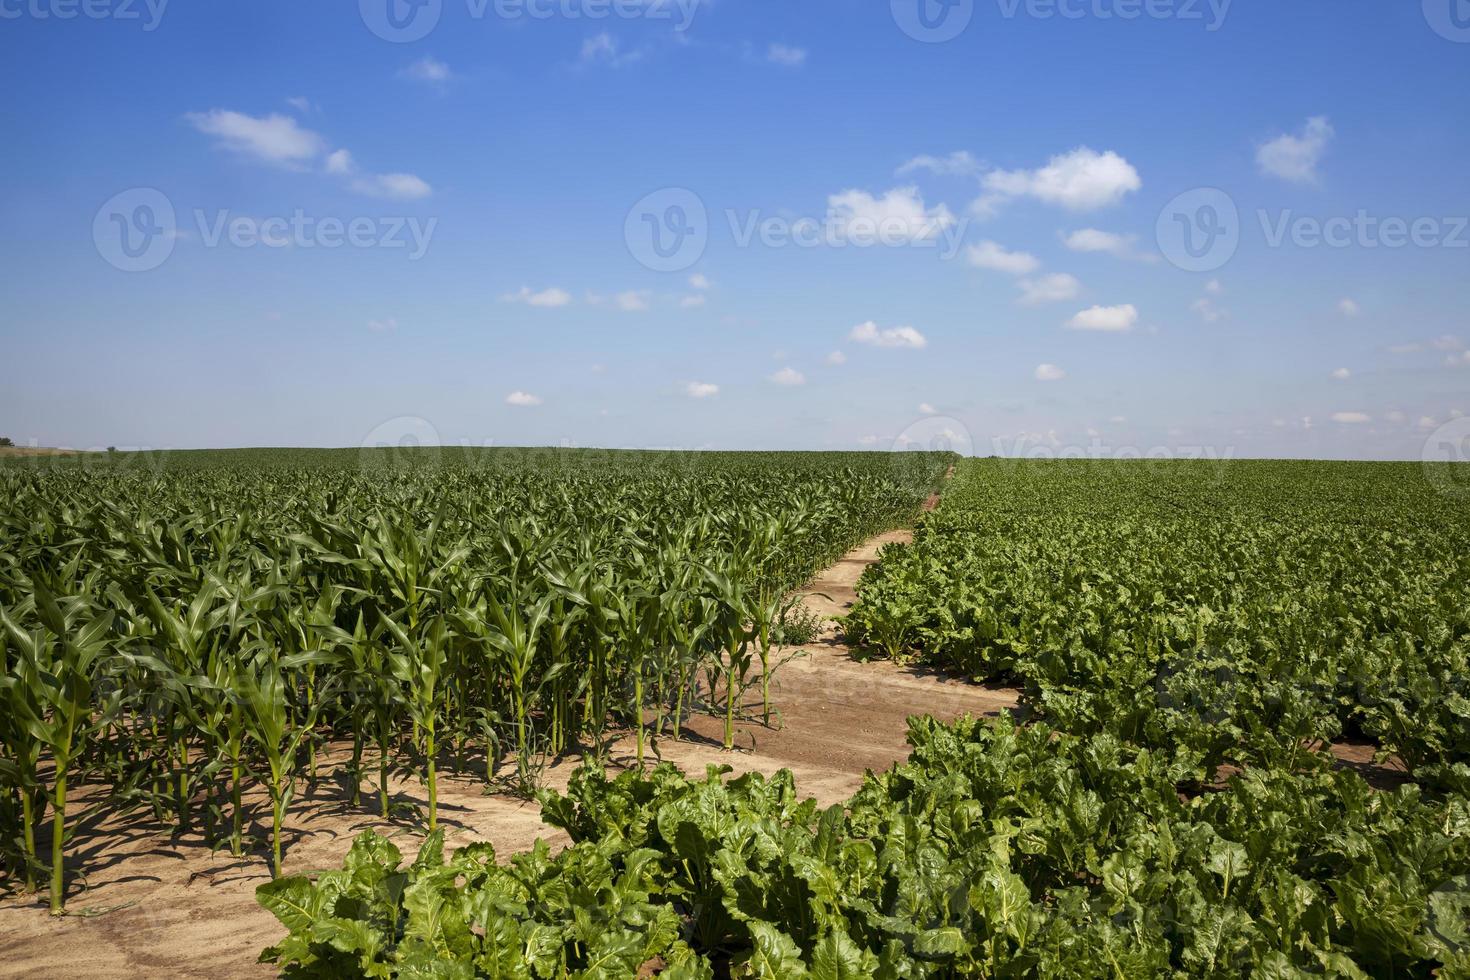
(179, 626)
(1241, 613)
(995, 852)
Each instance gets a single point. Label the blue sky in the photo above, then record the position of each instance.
(981, 219)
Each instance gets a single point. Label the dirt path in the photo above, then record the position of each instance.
(180, 911)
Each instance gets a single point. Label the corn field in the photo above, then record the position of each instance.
(178, 634)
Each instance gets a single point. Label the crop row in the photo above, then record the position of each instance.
(177, 633)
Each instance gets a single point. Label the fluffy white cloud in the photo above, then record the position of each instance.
(1208, 310)
(789, 377)
(300, 103)
(522, 399)
(1049, 372)
(274, 138)
(280, 140)
(1351, 418)
(958, 164)
(899, 215)
(1295, 157)
(926, 409)
(701, 389)
(1055, 287)
(836, 358)
(991, 255)
(1110, 319)
(604, 49)
(870, 334)
(428, 70)
(1342, 374)
(699, 281)
(692, 301)
(1349, 307)
(1082, 180)
(1108, 243)
(632, 301)
(546, 298)
(394, 187)
(784, 54)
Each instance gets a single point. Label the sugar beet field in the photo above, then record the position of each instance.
(1169, 719)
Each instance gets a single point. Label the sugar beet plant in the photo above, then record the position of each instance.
(184, 636)
(1246, 613)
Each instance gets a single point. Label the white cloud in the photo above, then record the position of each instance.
(991, 255)
(280, 140)
(836, 358)
(1406, 348)
(958, 164)
(783, 54)
(869, 333)
(1349, 307)
(1461, 359)
(1208, 310)
(386, 325)
(1447, 342)
(692, 301)
(789, 377)
(1397, 417)
(701, 389)
(522, 399)
(546, 298)
(275, 138)
(428, 70)
(868, 440)
(1110, 319)
(1049, 372)
(604, 49)
(1106, 242)
(395, 187)
(699, 281)
(1295, 158)
(1082, 180)
(1351, 418)
(1055, 287)
(898, 216)
(1342, 374)
(300, 103)
(926, 409)
(632, 301)
(1426, 422)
